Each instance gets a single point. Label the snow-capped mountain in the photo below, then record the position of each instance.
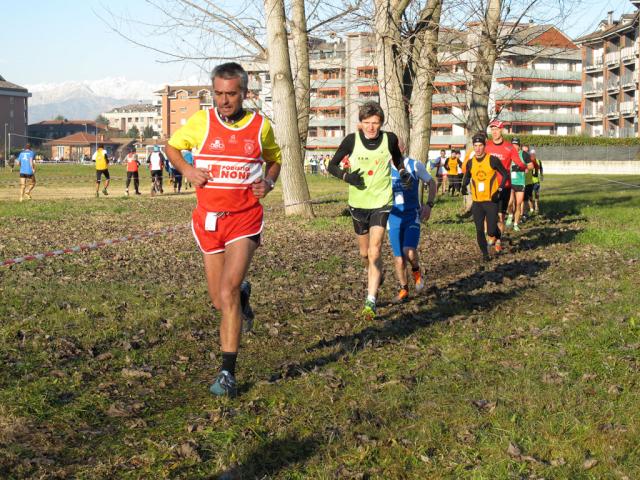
(86, 99)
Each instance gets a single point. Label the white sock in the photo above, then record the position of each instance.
(371, 298)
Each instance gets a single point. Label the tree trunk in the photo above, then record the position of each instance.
(301, 80)
(389, 53)
(294, 185)
(425, 56)
(486, 56)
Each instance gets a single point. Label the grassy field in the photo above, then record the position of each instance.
(527, 367)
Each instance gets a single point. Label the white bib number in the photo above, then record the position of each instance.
(399, 198)
(514, 175)
(481, 186)
(211, 221)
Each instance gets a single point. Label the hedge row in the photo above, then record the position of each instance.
(574, 140)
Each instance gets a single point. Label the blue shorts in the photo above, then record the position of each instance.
(404, 231)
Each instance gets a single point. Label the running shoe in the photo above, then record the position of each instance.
(509, 221)
(245, 307)
(138, 193)
(490, 242)
(523, 218)
(419, 281)
(126, 192)
(104, 191)
(97, 194)
(403, 296)
(369, 310)
(498, 247)
(225, 385)
(28, 195)
(516, 228)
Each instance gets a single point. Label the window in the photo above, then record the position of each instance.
(11, 100)
(60, 153)
(183, 109)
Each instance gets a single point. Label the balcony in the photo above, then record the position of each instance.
(531, 74)
(627, 108)
(540, 117)
(446, 140)
(628, 55)
(612, 59)
(628, 132)
(447, 120)
(327, 83)
(613, 110)
(593, 89)
(327, 102)
(613, 84)
(326, 122)
(530, 96)
(449, 98)
(324, 142)
(594, 64)
(629, 81)
(593, 113)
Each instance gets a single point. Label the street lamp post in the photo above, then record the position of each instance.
(6, 152)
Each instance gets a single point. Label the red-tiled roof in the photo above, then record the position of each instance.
(82, 138)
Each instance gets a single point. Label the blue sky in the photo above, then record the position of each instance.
(59, 40)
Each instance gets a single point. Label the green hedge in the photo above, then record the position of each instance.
(574, 140)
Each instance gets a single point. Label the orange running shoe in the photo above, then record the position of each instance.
(417, 277)
(403, 296)
(498, 247)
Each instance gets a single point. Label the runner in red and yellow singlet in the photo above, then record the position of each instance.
(506, 153)
(232, 145)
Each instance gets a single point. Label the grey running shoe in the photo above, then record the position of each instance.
(247, 312)
(225, 384)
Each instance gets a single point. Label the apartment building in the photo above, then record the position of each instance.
(536, 87)
(141, 115)
(54, 129)
(13, 114)
(611, 65)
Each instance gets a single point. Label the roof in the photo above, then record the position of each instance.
(66, 122)
(82, 138)
(135, 107)
(10, 86)
(192, 90)
(628, 21)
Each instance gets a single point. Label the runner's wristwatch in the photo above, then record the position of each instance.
(271, 183)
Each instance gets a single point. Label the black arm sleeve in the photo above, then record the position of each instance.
(467, 176)
(396, 154)
(496, 164)
(345, 148)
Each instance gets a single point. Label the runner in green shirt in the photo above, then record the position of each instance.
(365, 156)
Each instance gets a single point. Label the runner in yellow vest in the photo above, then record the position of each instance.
(102, 168)
(482, 172)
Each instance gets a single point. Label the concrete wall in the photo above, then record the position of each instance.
(577, 167)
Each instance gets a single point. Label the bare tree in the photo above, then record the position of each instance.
(294, 185)
(406, 56)
(302, 81)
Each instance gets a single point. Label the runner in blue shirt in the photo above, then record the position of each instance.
(188, 157)
(27, 172)
(404, 223)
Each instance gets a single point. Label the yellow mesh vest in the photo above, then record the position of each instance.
(484, 179)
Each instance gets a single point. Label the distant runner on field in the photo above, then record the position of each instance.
(102, 168)
(156, 161)
(133, 165)
(26, 159)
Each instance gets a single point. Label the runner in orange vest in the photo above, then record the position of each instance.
(132, 171)
(232, 144)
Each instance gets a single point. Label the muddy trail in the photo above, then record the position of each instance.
(107, 355)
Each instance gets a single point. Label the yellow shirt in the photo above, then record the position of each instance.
(193, 133)
(101, 160)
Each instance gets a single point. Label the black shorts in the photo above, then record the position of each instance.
(536, 188)
(365, 218)
(26, 175)
(99, 174)
(503, 202)
(156, 173)
(517, 188)
(528, 192)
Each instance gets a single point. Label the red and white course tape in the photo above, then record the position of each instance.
(90, 246)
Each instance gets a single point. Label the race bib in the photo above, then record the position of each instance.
(514, 175)
(399, 198)
(211, 221)
(481, 186)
